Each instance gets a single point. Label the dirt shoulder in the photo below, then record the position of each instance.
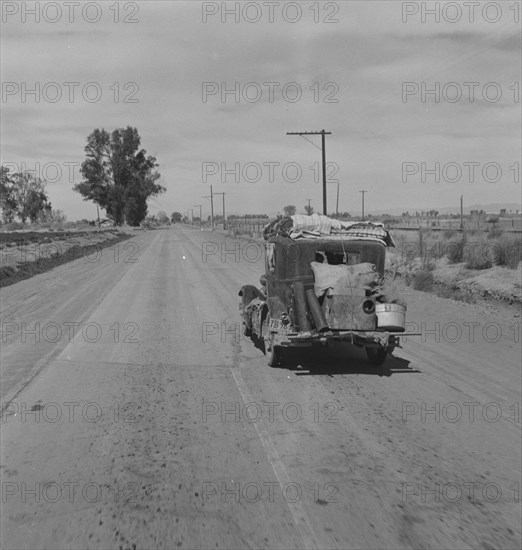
(24, 254)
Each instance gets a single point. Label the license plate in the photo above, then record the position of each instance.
(276, 325)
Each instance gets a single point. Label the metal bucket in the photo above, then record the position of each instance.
(390, 317)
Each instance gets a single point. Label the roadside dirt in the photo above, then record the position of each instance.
(24, 254)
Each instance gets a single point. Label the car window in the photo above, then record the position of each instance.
(270, 257)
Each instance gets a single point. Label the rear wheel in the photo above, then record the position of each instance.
(376, 356)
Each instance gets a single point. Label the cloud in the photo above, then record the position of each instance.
(361, 61)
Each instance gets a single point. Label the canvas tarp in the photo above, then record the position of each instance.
(344, 279)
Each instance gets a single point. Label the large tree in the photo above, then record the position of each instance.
(22, 195)
(7, 199)
(119, 176)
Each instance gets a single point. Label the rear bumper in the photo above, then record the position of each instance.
(374, 339)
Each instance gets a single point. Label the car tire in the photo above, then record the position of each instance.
(274, 355)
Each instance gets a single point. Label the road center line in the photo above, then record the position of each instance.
(301, 519)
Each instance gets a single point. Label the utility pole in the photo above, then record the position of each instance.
(309, 201)
(211, 210)
(211, 197)
(337, 203)
(224, 220)
(322, 133)
(363, 192)
(192, 219)
(196, 205)
(462, 212)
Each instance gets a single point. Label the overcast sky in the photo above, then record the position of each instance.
(360, 69)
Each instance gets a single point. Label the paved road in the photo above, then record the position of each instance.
(137, 416)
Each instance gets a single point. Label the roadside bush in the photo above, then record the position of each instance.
(6, 271)
(444, 291)
(508, 252)
(423, 280)
(422, 235)
(495, 232)
(478, 261)
(449, 234)
(455, 252)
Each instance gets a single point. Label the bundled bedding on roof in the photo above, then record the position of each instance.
(318, 226)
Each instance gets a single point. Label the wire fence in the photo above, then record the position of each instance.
(254, 226)
(509, 225)
(247, 226)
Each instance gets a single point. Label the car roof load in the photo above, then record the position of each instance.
(318, 226)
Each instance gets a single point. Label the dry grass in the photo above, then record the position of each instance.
(442, 261)
(424, 280)
(476, 249)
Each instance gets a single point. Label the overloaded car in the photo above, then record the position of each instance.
(323, 284)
